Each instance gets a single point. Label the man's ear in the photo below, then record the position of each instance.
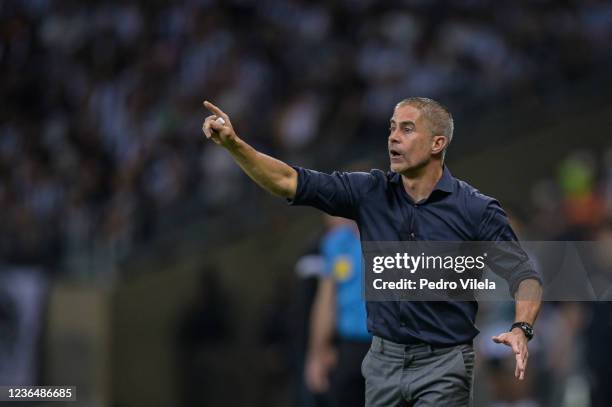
(438, 144)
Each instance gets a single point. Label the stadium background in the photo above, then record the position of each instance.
(139, 264)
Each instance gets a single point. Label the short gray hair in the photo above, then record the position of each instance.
(439, 117)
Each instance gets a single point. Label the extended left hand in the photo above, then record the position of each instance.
(517, 340)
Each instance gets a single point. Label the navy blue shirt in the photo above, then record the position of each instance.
(383, 210)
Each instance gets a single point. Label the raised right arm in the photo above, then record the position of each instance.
(271, 174)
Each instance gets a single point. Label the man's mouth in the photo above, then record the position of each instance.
(394, 154)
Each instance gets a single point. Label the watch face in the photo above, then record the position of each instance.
(528, 330)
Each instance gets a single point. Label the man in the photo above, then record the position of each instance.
(339, 313)
(421, 353)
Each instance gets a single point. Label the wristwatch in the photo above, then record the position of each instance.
(525, 327)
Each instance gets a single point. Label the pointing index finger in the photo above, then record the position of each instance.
(215, 110)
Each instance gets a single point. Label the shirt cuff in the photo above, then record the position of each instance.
(524, 271)
(299, 191)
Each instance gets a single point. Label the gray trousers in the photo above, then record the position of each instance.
(418, 375)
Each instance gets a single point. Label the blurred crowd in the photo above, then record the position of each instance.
(100, 140)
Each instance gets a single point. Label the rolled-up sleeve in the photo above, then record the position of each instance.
(337, 194)
(506, 256)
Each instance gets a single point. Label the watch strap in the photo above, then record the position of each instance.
(526, 327)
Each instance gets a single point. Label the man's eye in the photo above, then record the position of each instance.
(407, 129)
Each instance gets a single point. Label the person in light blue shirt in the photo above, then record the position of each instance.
(341, 251)
(339, 336)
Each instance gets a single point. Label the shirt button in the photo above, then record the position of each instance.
(412, 235)
(402, 323)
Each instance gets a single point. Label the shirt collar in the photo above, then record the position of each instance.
(445, 183)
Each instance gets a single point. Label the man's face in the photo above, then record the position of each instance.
(410, 140)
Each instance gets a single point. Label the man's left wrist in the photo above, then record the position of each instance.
(524, 327)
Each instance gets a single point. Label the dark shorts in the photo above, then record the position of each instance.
(347, 383)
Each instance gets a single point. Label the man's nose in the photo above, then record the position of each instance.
(393, 138)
